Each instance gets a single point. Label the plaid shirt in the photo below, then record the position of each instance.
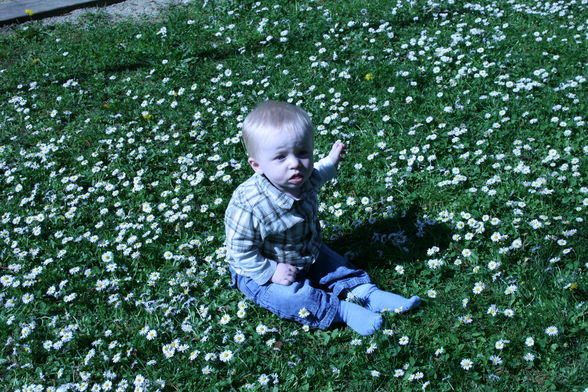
(265, 226)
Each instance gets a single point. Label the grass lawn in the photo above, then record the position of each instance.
(464, 183)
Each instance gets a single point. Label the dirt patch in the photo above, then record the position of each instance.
(124, 10)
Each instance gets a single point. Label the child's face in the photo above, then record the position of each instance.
(285, 159)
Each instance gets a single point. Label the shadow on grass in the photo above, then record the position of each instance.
(402, 239)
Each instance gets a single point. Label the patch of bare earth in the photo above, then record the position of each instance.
(120, 11)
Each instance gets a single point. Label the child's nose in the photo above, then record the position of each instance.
(293, 162)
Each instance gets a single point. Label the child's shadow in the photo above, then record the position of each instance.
(399, 240)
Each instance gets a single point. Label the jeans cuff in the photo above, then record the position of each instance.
(330, 314)
(349, 284)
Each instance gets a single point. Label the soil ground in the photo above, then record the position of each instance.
(133, 9)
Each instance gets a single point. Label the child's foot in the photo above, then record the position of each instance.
(378, 300)
(361, 320)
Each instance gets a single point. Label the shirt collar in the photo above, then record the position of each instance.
(282, 199)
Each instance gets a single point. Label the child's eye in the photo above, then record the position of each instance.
(303, 153)
(280, 157)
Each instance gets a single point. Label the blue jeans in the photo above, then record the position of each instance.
(315, 290)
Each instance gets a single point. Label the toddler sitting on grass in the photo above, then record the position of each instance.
(273, 240)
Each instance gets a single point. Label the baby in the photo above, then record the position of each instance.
(273, 240)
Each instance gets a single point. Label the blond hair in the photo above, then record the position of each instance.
(273, 116)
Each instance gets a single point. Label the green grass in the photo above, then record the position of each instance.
(119, 151)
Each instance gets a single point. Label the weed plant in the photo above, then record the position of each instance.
(464, 183)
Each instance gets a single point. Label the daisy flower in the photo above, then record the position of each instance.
(499, 345)
(263, 379)
(194, 355)
(551, 330)
(529, 342)
(261, 329)
(372, 347)
(510, 289)
(226, 356)
(478, 287)
(355, 342)
(206, 370)
(239, 337)
(107, 257)
(466, 364)
(529, 357)
(495, 359)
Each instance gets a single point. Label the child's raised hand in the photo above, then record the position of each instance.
(337, 151)
(285, 274)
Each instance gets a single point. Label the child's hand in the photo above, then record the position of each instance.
(337, 151)
(285, 274)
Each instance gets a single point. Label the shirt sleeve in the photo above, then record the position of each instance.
(326, 170)
(243, 239)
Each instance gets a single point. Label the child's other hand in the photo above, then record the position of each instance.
(285, 274)
(337, 151)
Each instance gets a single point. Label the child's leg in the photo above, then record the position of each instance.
(378, 300)
(299, 301)
(361, 320)
(308, 305)
(335, 273)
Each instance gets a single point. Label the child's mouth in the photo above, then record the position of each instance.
(296, 179)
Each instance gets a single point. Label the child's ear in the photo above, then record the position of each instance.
(254, 165)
